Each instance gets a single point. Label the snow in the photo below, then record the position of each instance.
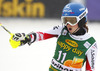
(36, 57)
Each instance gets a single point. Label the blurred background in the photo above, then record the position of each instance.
(25, 16)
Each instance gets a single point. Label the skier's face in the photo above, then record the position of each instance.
(71, 29)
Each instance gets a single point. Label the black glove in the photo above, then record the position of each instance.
(22, 37)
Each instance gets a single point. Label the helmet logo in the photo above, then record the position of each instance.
(67, 6)
(67, 9)
(82, 9)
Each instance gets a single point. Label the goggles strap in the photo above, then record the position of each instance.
(83, 14)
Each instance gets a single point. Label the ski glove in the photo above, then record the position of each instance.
(22, 37)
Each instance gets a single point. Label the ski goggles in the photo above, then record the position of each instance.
(73, 20)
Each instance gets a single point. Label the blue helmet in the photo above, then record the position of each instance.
(75, 10)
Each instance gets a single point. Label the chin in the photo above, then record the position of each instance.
(70, 32)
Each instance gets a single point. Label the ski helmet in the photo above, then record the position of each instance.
(73, 12)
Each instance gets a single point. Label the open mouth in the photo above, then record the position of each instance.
(70, 29)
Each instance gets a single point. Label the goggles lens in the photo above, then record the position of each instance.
(72, 20)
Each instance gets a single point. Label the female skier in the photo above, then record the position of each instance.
(74, 45)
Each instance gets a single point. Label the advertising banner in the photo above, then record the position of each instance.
(94, 10)
(32, 8)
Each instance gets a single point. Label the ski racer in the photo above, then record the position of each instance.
(74, 45)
